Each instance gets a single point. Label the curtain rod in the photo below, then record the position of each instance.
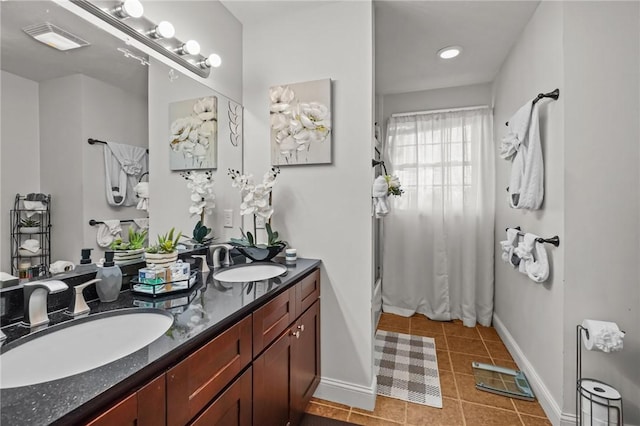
(435, 111)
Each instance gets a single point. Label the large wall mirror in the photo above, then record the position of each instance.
(54, 101)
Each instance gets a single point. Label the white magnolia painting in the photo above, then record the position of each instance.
(301, 123)
(194, 134)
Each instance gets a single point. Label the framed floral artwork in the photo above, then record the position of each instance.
(194, 134)
(300, 117)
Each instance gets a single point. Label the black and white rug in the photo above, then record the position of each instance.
(408, 368)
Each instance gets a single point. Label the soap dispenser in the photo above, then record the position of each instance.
(85, 262)
(109, 288)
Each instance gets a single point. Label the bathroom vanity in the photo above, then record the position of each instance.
(236, 354)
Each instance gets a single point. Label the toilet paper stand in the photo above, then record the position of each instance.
(593, 393)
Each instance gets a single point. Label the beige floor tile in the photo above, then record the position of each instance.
(468, 392)
(467, 346)
(529, 407)
(330, 403)
(448, 384)
(456, 329)
(461, 363)
(498, 350)
(361, 419)
(424, 324)
(387, 408)
(327, 411)
(449, 415)
(488, 333)
(479, 415)
(534, 421)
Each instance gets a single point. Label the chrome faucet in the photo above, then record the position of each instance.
(78, 305)
(35, 300)
(214, 250)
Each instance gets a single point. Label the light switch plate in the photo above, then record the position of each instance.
(259, 222)
(228, 218)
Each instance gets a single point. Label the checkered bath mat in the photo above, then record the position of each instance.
(408, 368)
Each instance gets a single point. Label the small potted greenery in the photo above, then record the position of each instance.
(131, 250)
(165, 252)
(248, 245)
(200, 235)
(29, 226)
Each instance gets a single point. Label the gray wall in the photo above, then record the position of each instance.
(20, 146)
(602, 188)
(590, 50)
(324, 210)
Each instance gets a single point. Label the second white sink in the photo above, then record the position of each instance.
(80, 345)
(250, 272)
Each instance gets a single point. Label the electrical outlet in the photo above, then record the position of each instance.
(259, 222)
(228, 218)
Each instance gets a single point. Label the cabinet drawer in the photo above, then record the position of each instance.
(232, 408)
(272, 319)
(193, 383)
(124, 413)
(307, 292)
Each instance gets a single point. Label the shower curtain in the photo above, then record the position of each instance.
(438, 243)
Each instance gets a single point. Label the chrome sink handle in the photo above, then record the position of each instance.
(78, 305)
(35, 300)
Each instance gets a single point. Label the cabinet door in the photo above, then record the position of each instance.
(305, 366)
(271, 379)
(124, 413)
(307, 292)
(272, 319)
(232, 408)
(195, 382)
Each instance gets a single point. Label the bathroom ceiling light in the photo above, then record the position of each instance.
(190, 47)
(129, 9)
(54, 36)
(164, 29)
(449, 52)
(214, 60)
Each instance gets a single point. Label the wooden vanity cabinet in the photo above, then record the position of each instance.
(146, 407)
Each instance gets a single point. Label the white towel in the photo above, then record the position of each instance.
(31, 245)
(33, 207)
(124, 164)
(522, 146)
(142, 192)
(508, 246)
(380, 190)
(534, 261)
(61, 266)
(108, 231)
(142, 223)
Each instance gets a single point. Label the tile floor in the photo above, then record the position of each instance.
(463, 404)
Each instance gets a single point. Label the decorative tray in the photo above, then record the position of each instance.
(164, 288)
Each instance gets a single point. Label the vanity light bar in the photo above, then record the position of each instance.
(177, 54)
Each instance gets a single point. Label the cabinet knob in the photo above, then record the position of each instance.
(296, 334)
(301, 327)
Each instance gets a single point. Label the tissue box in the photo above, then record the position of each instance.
(155, 275)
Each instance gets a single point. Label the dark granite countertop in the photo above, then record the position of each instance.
(205, 311)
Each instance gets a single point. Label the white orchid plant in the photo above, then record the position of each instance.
(202, 197)
(256, 201)
(193, 135)
(297, 125)
(393, 182)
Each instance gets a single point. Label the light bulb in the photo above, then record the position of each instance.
(163, 30)
(129, 8)
(191, 47)
(214, 60)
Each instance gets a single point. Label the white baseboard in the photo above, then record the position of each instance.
(549, 405)
(359, 396)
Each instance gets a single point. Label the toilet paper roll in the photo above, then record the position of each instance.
(595, 411)
(603, 336)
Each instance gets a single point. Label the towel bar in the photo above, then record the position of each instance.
(555, 94)
(555, 240)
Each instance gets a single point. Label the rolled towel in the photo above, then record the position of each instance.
(508, 246)
(61, 266)
(379, 192)
(108, 231)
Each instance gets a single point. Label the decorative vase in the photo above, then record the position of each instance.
(122, 256)
(161, 259)
(260, 254)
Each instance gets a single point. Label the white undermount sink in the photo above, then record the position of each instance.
(80, 345)
(250, 272)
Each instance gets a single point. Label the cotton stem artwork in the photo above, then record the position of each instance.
(301, 123)
(194, 134)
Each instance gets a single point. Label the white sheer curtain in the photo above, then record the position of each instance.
(438, 239)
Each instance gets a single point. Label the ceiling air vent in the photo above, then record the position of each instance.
(54, 36)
